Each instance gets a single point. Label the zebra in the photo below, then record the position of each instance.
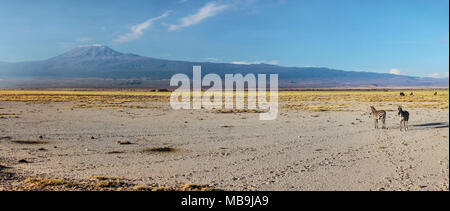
(378, 115)
(404, 118)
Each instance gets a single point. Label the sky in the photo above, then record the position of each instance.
(408, 37)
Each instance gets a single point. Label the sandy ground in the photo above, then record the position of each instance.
(301, 150)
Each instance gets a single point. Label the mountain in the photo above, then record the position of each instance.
(101, 66)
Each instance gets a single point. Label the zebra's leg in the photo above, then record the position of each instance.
(375, 121)
(406, 125)
(401, 125)
(384, 123)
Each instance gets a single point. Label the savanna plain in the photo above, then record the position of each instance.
(134, 140)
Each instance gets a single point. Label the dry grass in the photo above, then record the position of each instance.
(110, 106)
(434, 105)
(340, 107)
(146, 150)
(105, 184)
(85, 99)
(185, 187)
(100, 183)
(351, 100)
(151, 188)
(294, 100)
(232, 111)
(124, 143)
(5, 137)
(29, 142)
(158, 150)
(363, 96)
(42, 183)
(8, 115)
(39, 96)
(193, 187)
(115, 152)
(99, 178)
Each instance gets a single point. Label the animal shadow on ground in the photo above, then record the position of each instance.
(436, 125)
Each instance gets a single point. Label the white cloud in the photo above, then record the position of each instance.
(434, 75)
(395, 71)
(138, 30)
(212, 59)
(241, 62)
(273, 62)
(91, 45)
(207, 11)
(446, 74)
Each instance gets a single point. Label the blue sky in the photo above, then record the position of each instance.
(408, 37)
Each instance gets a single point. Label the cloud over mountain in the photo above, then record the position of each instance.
(138, 30)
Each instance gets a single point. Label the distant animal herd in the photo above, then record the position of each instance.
(412, 94)
(380, 115)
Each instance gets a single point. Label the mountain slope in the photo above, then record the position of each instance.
(103, 63)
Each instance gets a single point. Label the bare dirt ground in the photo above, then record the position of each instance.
(155, 146)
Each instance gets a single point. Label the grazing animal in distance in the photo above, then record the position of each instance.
(411, 94)
(402, 94)
(435, 94)
(404, 118)
(378, 115)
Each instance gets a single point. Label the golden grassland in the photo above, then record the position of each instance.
(35, 96)
(292, 100)
(365, 96)
(350, 100)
